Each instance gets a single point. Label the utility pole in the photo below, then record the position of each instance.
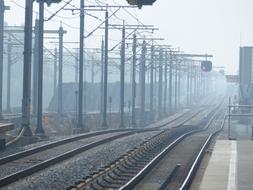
(179, 83)
(39, 128)
(188, 83)
(152, 80)
(9, 73)
(132, 27)
(195, 83)
(92, 71)
(76, 68)
(35, 68)
(191, 81)
(122, 76)
(200, 95)
(202, 85)
(36, 65)
(155, 99)
(104, 122)
(55, 68)
(102, 77)
(101, 8)
(176, 85)
(81, 63)
(60, 32)
(143, 83)
(9, 76)
(160, 85)
(27, 69)
(170, 83)
(139, 80)
(165, 82)
(2, 9)
(133, 118)
(84, 89)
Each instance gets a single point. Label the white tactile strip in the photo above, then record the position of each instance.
(232, 177)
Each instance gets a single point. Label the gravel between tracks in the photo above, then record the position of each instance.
(16, 149)
(66, 173)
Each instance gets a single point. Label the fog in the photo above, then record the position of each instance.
(214, 27)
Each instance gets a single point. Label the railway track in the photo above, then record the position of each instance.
(176, 170)
(118, 173)
(39, 158)
(25, 166)
(166, 123)
(195, 165)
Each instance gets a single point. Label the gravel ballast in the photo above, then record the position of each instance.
(23, 163)
(62, 175)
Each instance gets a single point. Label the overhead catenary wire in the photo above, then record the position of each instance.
(93, 16)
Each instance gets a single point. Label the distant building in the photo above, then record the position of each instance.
(246, 76)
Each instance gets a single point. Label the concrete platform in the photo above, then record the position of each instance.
(230, 166)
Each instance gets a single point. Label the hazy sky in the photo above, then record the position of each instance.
(216, 27)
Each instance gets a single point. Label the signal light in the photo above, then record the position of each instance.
(206, 66)
(140, 3)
